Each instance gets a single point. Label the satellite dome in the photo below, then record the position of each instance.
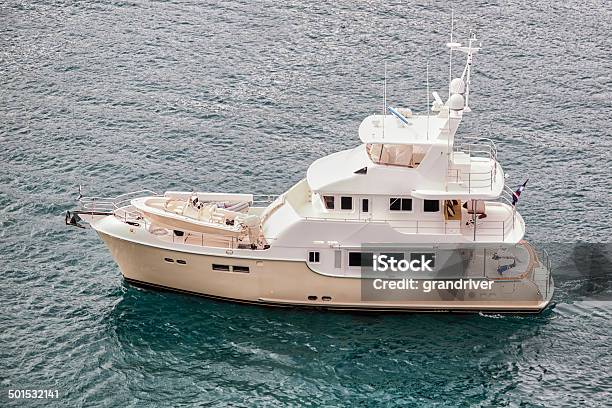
(457, 86)
(456, 102)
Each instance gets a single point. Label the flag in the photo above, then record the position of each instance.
(517, 193)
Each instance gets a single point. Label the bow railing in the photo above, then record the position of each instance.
(118, 205)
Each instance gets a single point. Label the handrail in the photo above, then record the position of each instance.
(481, 145)
(487, 228)
(115, 204)
(111, 202)
(544, 259)
(264, 198)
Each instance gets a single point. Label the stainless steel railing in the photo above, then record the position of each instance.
(118, 205)
(96, 203)
(546, 262)
(264, 198)
(484, 228)
(478, 147)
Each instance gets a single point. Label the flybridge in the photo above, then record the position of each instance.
(416, 129)
(400, 126)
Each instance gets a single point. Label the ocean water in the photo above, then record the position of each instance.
(243, 96)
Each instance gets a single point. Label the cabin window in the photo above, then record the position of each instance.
(243, 269)
(181, 262)
(365, 205)
(431, 205)
(346, 203)
(314, 257)
(428, 256)
(361, 259)
(329, 202)
(218, 267)
(391, 154)
(400, 204)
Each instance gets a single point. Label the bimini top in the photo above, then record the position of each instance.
(415, 129)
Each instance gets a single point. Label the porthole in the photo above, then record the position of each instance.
(219, 267)
(170, 260)
(243, 269)
(311, 297)
(326, 298)
(181, 262)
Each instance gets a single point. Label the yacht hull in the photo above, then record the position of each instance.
(285, 283)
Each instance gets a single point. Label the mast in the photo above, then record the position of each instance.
(427, 75)
(384, 112)
(450, 52)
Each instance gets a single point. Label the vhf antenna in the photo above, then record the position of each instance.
(427, 75)
(450, 53)
(384, 100)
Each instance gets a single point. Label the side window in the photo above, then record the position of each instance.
(431, 205)
(365, 205)
(329, 202)
(346, 203)
(361, 259)
(314, 257)
(400, 204)
(424, 256)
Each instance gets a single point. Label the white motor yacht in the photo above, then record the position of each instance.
(410, 190)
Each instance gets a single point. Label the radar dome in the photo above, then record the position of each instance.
(456, 102)
(457, 86)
